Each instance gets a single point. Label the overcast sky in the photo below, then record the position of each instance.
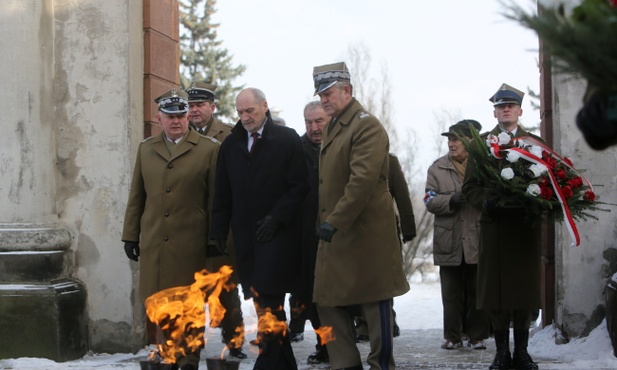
(442, 56)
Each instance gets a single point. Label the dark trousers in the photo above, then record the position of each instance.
(232, 319)
(458, 297)
(521, 319)
(275, 350)
(300, 312)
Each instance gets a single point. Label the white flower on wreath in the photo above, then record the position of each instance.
(507, 173)
(536, 150)
(537, 169)
(504, 138)
(513, 156)
(534, 189)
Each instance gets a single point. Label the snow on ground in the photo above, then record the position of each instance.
(419, 313)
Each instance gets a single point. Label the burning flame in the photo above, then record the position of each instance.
(268, 323)
(325, 334)
(180, 312)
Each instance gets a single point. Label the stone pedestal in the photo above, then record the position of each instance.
(42, 309)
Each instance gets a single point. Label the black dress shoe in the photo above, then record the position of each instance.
(237, 353)
(502, 361)
(361, 338)
(319, 357)
(522, 361)
(396, 331)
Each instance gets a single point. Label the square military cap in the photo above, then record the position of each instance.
(507, 95)
(201, 91)
(327, 75)
(173, 102)
(463, 128)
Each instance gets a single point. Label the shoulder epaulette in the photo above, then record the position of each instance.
(363, 115)
(148, 138)
(230, 125)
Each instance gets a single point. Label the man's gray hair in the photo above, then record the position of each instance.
(259, 95)
(341, 85)
(311, 105)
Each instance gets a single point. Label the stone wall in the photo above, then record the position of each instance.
(73, 91)
(98, 120)
(583, 272)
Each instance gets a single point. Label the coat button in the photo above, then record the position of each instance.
(168, 190)
(170, 165)
(166, 238)
(166, 214)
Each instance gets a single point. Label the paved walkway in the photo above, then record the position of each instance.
(414, 349)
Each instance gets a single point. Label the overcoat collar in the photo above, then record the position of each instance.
(519, 131)
(158, 143)
(343, 120)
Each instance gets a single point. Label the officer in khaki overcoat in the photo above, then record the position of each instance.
(359, 256)
(168, 211)
(202, 105)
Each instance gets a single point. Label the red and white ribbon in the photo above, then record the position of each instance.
(570, 224)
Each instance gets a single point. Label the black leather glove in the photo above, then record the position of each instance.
(266, 228)
(132, 250)
(221, 246)
(490, 205)
(325, 232)
(456, 200)
(593, 120)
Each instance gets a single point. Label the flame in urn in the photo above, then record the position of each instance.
(181, 315)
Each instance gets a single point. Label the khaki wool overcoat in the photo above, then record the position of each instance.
(217, 129)
(509, 263)
(168, 210)
(363, 262)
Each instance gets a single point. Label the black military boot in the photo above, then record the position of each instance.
(521, 359)
(503, 359)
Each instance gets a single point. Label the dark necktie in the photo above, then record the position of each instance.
(255, 136)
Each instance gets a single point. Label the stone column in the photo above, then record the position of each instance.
(42, 309)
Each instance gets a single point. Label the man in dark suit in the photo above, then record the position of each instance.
(509, 249)
(300, 302)
(201, 97)
(261, 182)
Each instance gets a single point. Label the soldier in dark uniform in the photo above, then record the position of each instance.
(201, 99)
(509, 250)
(405, 227)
